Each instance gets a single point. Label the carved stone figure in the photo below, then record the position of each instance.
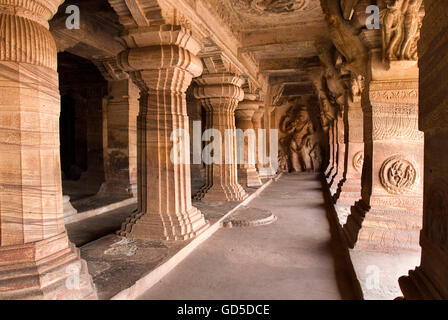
(401, 23)
(391, 18)
(316, 156)
(299, 141)
(356, 85)
(411, 32)
(283, 162)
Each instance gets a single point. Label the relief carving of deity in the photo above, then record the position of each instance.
(401, 24)
(303, 151)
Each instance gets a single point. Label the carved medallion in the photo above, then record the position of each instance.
(358, 161)
(398, 175)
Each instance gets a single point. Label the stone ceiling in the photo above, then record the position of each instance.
(279, 34)
(253, 15)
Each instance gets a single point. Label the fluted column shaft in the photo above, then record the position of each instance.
(332, 136)
(350, 190)
(220, 95)
(258, 126)
(267, 169)
(36, 257)
(120, 150)
(247, 172)
(162, 61)
(194, 109)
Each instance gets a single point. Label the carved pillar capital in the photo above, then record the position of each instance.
(246, 110)
(169, 48)
(39, 11)
(221, 91)
(25, 34)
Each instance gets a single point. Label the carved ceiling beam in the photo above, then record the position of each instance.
(110, 69)
(96, 42)
(282, 36)
(290, 64)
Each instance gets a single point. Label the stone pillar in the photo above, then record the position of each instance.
(261, 143)
(162, 60)
(36, 257)
(81, 116)
(95, 161)
(350, 190)
(220, 94)
(194, 109)
(430, 279)
(390, 212)
(246, 152)
(268, 171)
(332, 138)
(340, 154)
(120, 139)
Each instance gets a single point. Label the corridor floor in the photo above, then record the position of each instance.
(295, 257)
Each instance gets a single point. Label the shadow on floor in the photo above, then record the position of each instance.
(345, 272)
(91, 229)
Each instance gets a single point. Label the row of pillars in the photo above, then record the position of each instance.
(388, 170)
(36, 257)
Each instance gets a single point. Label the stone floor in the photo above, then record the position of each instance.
(116, 263)
(296, 257)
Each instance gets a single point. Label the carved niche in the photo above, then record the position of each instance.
(300, 143)
(398, 175)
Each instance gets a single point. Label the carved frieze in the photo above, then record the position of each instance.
(395, 110)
